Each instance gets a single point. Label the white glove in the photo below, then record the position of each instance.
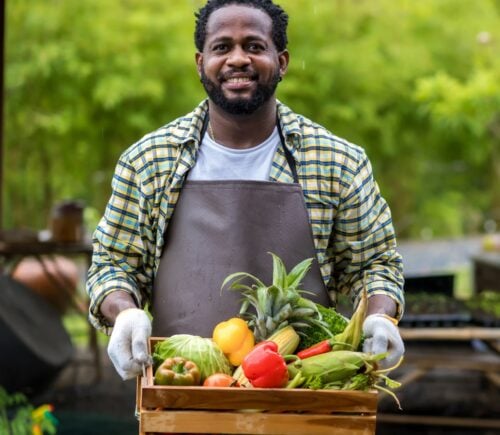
(128, 345)
(381, 335)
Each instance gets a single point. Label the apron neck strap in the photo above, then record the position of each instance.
(204, 127)
(288, 155)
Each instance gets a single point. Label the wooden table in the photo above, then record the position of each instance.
(13, 251)
(488, 364)
(439, 348)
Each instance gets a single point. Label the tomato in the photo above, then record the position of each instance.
(220, 380)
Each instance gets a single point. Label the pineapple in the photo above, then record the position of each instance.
(279, 304)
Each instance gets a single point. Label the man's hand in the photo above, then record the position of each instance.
(382, 335)
(128, 345)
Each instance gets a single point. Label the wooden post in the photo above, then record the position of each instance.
(2, 39)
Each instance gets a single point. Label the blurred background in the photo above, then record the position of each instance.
(417, 84)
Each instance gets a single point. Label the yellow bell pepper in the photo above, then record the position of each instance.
(234, 338)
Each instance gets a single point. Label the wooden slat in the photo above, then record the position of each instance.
(494, 378)
(479, 362)
(494, 344)
(452, 334)
(430, 420)
(278, 400)
(412, 376)
(255, 423)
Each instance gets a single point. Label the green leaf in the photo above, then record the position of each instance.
(239, 276)
(298, 273)
(279, 272)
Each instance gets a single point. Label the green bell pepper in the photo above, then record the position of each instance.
(177, 371)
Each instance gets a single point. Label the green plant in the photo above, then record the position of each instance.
(19, 417)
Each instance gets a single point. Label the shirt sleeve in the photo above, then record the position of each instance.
(120, 245)
(363, 240)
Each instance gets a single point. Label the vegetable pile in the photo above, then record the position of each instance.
(287, 341)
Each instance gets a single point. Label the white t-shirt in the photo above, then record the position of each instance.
(217, 162)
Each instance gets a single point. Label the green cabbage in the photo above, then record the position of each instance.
(202, 351)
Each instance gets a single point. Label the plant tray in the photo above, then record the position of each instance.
(168, 409)
(487, 320)
(445, 320)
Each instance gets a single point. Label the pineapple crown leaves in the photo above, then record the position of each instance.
(293, 279)
(237, 278)
(281, 279)
(277, 305)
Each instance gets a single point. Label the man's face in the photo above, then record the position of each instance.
(240, 66)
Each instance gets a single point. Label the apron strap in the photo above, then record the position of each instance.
(288, 155)
(204, 127)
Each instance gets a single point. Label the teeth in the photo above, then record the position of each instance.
(238, 80)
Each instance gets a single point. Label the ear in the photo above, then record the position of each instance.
(199, 62)
(284, 58)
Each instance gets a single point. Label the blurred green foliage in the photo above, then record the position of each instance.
(417, 84)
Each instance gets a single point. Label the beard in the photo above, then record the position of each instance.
(240, 106)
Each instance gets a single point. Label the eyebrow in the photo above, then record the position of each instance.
(229, 39)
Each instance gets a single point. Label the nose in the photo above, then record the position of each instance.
(238, 57)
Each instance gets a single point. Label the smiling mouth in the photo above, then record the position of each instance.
(238, 84)
(238, 80)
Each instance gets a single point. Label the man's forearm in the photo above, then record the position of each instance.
(381, 304)
(114, 303)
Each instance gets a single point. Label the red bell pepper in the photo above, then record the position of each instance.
(265, 367)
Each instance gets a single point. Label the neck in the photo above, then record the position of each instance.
(242, 131)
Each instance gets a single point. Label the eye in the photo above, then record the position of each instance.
(256, 47)
(220, 48)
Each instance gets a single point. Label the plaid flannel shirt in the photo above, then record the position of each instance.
(351, 223)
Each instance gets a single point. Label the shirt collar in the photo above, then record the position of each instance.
(289, 124)
(189, 128)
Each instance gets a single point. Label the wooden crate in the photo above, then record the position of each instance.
(166, 409)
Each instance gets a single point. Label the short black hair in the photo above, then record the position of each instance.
(278, 16)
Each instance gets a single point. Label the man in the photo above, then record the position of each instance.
(236, 171)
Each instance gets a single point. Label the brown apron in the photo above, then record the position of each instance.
(223, 227)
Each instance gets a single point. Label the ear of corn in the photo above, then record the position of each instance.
(287, 340)
(328, 367)
(350, 338)
(240, 377)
